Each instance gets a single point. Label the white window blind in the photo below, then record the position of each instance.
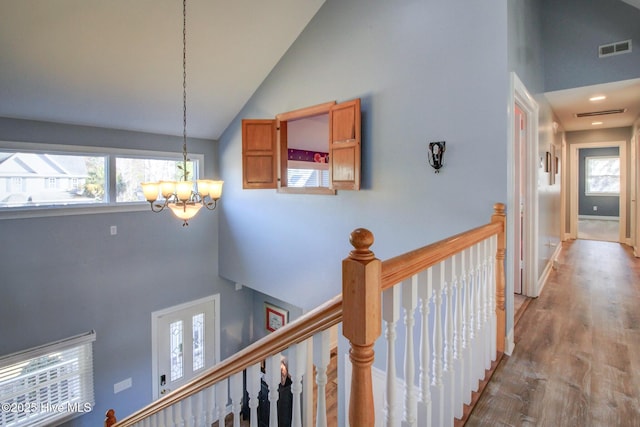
(48, 384)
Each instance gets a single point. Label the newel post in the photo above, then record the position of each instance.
(361, 322)
(500, 217)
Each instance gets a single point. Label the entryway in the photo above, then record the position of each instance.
(185, 341)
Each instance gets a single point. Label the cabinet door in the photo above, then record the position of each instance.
(259, 154)
(344, 145)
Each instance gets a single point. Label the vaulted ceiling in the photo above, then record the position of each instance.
(118, 63)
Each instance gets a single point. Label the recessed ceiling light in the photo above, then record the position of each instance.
(596, 123)
(597, 98)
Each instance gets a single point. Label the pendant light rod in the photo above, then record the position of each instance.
(181, 196)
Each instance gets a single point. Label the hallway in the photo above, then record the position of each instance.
(576, 360)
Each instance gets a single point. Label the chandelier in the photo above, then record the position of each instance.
(185, 198)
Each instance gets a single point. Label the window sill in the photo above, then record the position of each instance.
(20, 213)
(307, 190)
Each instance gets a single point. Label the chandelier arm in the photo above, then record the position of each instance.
(157, 207)
(210, 205)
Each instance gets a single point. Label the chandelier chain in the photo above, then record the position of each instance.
(184, 87)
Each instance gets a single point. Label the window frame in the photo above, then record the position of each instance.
(110, 154)
(587, 175)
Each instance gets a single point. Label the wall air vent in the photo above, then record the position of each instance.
(601, 113)
(616, 48)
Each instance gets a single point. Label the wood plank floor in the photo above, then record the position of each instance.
(577, 355)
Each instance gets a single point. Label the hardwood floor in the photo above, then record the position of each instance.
(577, 355)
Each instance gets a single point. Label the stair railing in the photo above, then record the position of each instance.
(461, 278)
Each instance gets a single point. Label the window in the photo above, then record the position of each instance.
(130, 172)
(47, 384)
(43, 179)
(318, 149)
(602, 176)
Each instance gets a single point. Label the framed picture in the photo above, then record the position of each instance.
(275, 317)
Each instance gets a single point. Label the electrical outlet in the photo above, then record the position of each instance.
(595, 208)
(113, 230)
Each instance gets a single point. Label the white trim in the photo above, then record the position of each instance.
(156, 315)
(574, 188)
(510, 343)
(518, 94)
(600, 218)
(549, 267)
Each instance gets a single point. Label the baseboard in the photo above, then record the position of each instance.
(510, 344)
(601, 218)
(552, 264)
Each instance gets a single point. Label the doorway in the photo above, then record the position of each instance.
(577, 187)
(523, 224)
(185, 342)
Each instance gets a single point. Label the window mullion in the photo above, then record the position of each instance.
(111, 179)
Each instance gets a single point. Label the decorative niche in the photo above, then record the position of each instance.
(313, 150)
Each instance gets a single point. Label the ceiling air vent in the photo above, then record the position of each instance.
(616, 48)
(601, 113)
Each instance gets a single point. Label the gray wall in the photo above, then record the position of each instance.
(425, 71)
(291, 246)
(607, 205)
(62, 276)
(572, 32)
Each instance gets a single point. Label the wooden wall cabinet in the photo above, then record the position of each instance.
(265, 149)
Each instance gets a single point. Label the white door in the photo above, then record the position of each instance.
(185, 341)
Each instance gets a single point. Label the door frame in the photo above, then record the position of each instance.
(519, 94)
(635, 189)
(574, 188)
(155, 317)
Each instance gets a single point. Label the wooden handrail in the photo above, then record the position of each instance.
(321, 318)
(393, 271)
(401, 267)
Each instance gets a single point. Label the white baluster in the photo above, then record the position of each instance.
(485, 314)
(487, 304)
(200, 415)
(187, 414)
(467, 284)
(222, 398)
(273, 381)
(167, 418)
(437, 387)
(253, 389)
(409, 304)
(391, 314)
(297, 368)
(321, 356)
(236, 397)
(425, 287)
(480, 338)
(492, 298)
(456, 264)
(178, 414)
(210, 404)
(159, 420)
(448, 373)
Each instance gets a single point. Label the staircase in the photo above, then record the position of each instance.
(447, 302)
